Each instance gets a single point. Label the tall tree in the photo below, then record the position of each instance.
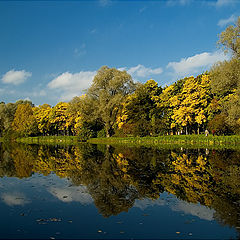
(107, 92)
(225, 76)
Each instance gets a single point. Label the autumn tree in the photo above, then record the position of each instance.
(109, 88)
(24, 121)
(7, 112)
(60, 119)
(190, 106)
(42, 114)
(225, 76)
(140, 114)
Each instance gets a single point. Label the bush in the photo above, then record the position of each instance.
(219, 125)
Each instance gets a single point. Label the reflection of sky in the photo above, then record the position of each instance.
(174, 204)
(61, 189)
(28, 204)
(72, 193)
(197, 210)
(14, 198)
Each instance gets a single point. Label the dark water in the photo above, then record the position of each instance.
(96, 192)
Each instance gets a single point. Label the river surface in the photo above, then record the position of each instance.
(107, 192)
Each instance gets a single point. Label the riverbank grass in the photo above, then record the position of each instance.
(49, 140)
(210, 140)
(199, 140)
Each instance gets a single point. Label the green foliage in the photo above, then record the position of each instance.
(24, 122)
(106, 94)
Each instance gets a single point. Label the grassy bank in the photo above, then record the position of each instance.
(177, 140)
(49, 140)
(199, 141)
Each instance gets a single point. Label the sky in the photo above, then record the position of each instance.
(50, 51)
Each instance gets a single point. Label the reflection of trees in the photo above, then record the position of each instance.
(117, 176)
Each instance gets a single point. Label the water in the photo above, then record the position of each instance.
(99, 192)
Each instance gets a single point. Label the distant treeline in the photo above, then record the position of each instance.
(115, 105)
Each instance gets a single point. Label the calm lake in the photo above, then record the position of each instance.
(99, 192)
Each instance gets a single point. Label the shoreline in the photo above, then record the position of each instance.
(199, 141)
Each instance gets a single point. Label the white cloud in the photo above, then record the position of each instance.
(16, 77)
(72, 194)
(142, 71)
(69, 85)
(72, 84)
(196, 64)
(13, 199)
(224, 22)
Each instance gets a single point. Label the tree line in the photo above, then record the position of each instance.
(115, 105)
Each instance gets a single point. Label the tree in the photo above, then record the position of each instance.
(24, 121)
(225, 77)
(230, 39)
(108, 90)
(190, 105)
(42, 114)
(59, 118)
(140, 110)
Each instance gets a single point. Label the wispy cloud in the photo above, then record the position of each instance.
(172, 3)
(141, 10)
(222, 3)
(195, 64)
(15, 77)
(105, 3)
(224, 22)
(71, 84)
(80, 51)
(142, 71)
(93, 31)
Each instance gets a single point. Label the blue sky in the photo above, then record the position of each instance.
(50, 51)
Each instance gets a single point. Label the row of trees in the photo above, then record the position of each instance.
(114, 104)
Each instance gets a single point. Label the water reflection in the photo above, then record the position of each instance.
(119, 178)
